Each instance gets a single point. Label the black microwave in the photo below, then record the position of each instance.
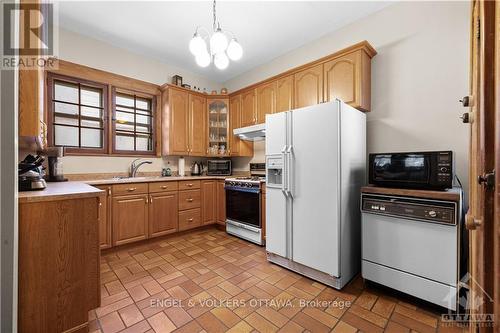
(431, 170)
(220, 167)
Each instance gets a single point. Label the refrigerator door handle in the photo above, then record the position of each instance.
(284, 185)
(289, 171)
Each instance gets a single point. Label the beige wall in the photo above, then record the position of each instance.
(418, 76)
(93, 53)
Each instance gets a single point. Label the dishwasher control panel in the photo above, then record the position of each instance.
(439, 212)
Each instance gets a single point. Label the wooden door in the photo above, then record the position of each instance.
(130, 218)
(483, 159)
(197, 125)
(342, 78)
(284, 94)
(221, 203)
(178, 103)
(208, 201)
(308, 86)
(234, 122)
(266, 100)
(163, 213)
(105, 218)
(248, 117)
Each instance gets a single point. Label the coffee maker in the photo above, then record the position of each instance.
(55, 164)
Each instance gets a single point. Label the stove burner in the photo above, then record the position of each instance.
(254, 178)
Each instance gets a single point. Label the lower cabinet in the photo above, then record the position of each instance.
(208, 201)
(189, 219)
(130, 218)
(163, 217)
(221, 202)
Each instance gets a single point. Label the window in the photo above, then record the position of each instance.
(77, 114)
(133, 123)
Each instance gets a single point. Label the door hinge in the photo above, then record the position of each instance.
(487, 179)
(478, 29)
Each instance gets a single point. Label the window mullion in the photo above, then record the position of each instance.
(79, 115)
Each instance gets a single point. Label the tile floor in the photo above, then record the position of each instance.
(208, 281)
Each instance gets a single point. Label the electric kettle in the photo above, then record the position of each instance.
(196, 169)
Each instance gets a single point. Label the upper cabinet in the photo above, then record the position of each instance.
(309, 86)
(218, 127)
(266, 100)
(237, 147)
(348, 78)
(284, 94)
(248, 108)
(344, 74)
(197, 125)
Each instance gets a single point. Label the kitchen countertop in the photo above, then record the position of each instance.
(149, 179)
(60, 191)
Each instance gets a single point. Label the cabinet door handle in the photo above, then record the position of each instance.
(151, 199)
(109, 190)
(131, 189)
(190, 220)
(189, 200)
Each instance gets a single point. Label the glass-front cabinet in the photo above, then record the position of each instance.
(218, 126)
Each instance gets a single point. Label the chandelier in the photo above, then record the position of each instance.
(220, 49)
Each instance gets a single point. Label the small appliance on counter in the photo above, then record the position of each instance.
(219, 167)
(30, 174)
(414, 241)
(55, 164)
(196, 169)
(431, 170)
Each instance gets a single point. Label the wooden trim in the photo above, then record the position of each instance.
(436, 195)
(364, 45)
(116, 80)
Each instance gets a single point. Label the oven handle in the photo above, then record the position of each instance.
(241, 189)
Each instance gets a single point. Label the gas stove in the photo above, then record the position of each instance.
(244, 183)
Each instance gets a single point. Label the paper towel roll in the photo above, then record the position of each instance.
(181, 167)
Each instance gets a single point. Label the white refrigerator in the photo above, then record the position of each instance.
(315, 167)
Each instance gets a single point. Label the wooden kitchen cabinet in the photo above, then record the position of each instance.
(197, 125)
(189, 199)
(59, 264)
(237, 147)
(284, 94)
(266, 100)
(308, 86)
(248, 108)
(105, 217)
(218, 127)
(348, 78)
(189, 219)
(130, 218)
(163, 214)
(208, 201)
(221, 203)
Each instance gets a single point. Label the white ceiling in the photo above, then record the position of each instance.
(162, 29)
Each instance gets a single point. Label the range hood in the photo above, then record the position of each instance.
(251, 133)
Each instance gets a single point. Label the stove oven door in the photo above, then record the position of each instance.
(243, 206)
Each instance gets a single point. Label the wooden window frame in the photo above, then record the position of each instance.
(51, 77)
(154, 115)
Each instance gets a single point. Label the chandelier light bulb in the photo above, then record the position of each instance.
(221, 60)
(218, 42)
(234, 50)
(203, 59)
(197, 45)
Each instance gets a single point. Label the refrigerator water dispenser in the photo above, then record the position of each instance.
(274, 171)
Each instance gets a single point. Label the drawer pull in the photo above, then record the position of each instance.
(164, 187)
(189, 200)
(189, 185)
(190, 220)
(131, 189)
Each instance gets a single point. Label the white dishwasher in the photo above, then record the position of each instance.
(412, 245)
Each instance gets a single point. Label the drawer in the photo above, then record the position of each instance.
(189, 219)
(163, 187)
(134, 188)
(189, 184)
(189, 199)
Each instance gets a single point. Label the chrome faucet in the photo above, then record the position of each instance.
(134, 166)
